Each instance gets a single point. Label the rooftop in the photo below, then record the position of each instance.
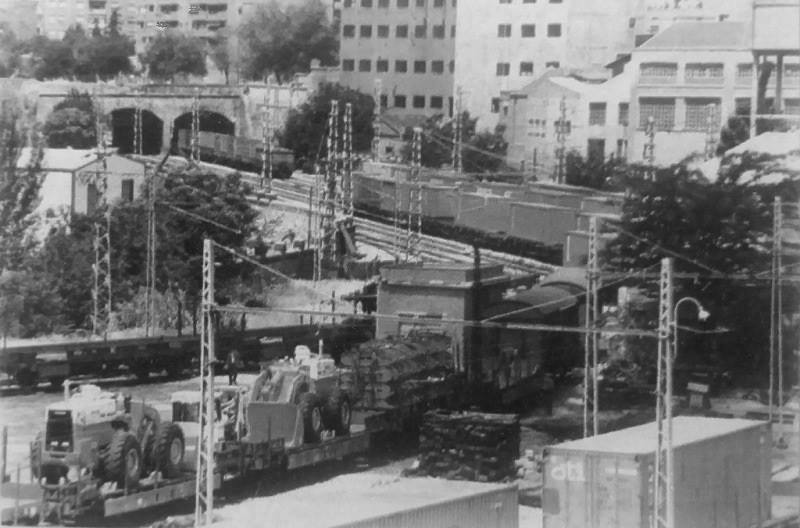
(701, 35)
(641, 439)
(59, 159)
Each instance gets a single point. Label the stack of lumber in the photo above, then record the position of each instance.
(468, 446)
(384, 373)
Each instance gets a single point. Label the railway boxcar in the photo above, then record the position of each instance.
(234, 151)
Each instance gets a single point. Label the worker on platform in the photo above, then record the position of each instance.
(234, 362)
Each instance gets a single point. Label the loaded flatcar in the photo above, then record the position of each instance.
(236, 152)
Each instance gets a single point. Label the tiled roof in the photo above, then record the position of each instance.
(701, 35)
(59, 159)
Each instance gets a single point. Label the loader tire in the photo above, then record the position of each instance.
(311, 411)
(168, 450)
(123, 460)
(338, 412)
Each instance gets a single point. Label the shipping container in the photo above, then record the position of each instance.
(722, 476)
(363, 500)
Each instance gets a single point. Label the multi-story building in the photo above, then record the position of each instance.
(406, 44)
(558, 111)
(692, 73)
(502, 45)
(19, 16)
(653, 16)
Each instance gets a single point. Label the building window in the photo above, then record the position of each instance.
(401, 31)
(366, 3)
(453, 31)
(348, 3)
(791, 74)
(402, 3)
(438, 3)
(365, 31)
(505, 1)
(437, 101)
(597, 114)
(364, 65)
(420, 31)
(704, 73)
(528, 1)
(622, 148)
(552, 64)
(418, 101)
(384, 100)
(742, 106)
(658, 72)
(383, 31)
(503, 69)
(661, 109)
(744, 73)
(624, 113)
(557, 123)
(504, 30)
(127, 190)
(452, 66)
(419, 66)
(348, 65)
(553, 30)
(596, 149)
(528, 30)
(526, 68)
(437, 66)
(348, 31)
(400, 66)
(420, 3)
(382, 66)
(438, 32)
(698, 112)
(400, 101)
(555, 1)
(383, 3)
(495, 105)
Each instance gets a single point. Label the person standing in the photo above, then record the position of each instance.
(233, 364)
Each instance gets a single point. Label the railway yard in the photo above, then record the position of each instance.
(269, 457)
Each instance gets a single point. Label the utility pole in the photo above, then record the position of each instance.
(561, 139)
(376, 121)
(266, 143)
(328, 228)
(150, 275)
(347, 178)
(204, 483)
(414, 227)
(101, 290)
(196, 126)
(664, 481)
(649, 150)
(137, 122)
(590, 338)
(711, 131)
(457, 135)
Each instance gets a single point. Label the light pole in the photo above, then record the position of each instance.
(702, 315)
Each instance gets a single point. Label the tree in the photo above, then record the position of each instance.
(284, 41)
(305, 128)
(725, 227)
(72, 123)
(595, 172)
(55, 59)
(220, 54)
(113, 24)
(172, 54)
(110, 55)
(485, 151)
(735, 132)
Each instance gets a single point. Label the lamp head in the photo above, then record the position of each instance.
(703, 314)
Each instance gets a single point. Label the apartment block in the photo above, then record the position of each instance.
(693, 72)
(653, 16)
(19, 16)
(503, 45)
(406, 44)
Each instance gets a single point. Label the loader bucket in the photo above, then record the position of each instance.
(270, 421)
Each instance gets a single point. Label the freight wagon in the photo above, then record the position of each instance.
(236, 151)
(722, 476)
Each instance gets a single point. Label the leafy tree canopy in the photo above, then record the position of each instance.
(172, 53)
(283, 41)
(597, 173)
(305, 128)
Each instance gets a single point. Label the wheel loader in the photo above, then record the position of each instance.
(101, 438)
(298, 399)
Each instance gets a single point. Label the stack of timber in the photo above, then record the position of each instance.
(468, 446)
(386, 373)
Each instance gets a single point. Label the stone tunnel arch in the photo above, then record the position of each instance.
(210, 121)
(122, 127)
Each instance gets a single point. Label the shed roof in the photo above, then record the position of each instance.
(59, 159)
(641, 439)
(701, 35)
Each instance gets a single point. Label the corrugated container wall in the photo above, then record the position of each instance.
(721, 477)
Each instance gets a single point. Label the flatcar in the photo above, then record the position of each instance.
(235, 151)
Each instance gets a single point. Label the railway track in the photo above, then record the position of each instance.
(295, 193)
